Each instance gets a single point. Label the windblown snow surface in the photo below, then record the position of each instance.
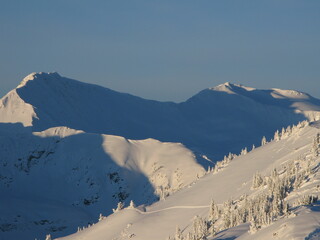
(70, 151)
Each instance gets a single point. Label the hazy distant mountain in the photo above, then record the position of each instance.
(215, 121)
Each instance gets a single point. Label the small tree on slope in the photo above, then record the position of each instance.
(178, 235)
(257, 180)
(132, 205)
(316, 145)
(48, 237)
(200, 228)
(120, 206)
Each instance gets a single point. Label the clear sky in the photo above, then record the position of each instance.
(163, 50)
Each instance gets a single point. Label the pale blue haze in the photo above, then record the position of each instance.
(163, 50)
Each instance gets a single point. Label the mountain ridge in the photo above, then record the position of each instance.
(197, 123)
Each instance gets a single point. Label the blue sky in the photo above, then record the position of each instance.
(163, 50)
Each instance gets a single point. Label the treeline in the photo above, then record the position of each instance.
(264, 207)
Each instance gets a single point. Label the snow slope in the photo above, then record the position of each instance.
(66, 156)
(232, 182)
(213, 121)
(60, 178)
(15, 110)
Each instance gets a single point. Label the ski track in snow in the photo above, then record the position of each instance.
(170, 208)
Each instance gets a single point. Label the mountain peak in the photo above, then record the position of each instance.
(224, 87)
(39, 75)
(230, 88)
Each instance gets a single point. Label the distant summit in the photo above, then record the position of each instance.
(40, 75)
(276, 92)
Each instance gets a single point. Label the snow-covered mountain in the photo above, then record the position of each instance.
(215, 121)
(70, 151)
(47, 178)
(268, 193)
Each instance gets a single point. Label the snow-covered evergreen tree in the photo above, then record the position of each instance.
(132, 205)
(283, 132)
(120, 206)
(200, 228)
(101, 217)
(257, 180)
(253, 147)
(263, 141)
(178, 235)
(286, 210)
(213, 212)
(253, 225)
(277, 136)
(48, 237)
(211, 229)
(162, 192)
(316, 145)
(212, 217)
(227, 214)
(288, 131)
(244, 151)
(189, 236)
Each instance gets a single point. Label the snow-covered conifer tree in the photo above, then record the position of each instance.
(277, 136)
(161, 191)
(288, 131)
(274, 174)
(120, 206)
(101, 217)
(132, 205)
(213, 212)
(200, 228)
(212, 229)
(257, 180)
(230, 156)
(190, 236)
(316, 145)
(286, 210)
(178, 235)
(227, 214)
(244, 151)
(48, 237)
(253, 147)
(263, 141)
(253, 225)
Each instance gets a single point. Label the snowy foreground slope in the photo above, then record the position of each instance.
(295, 153)
(213, 121)
(58, 179)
